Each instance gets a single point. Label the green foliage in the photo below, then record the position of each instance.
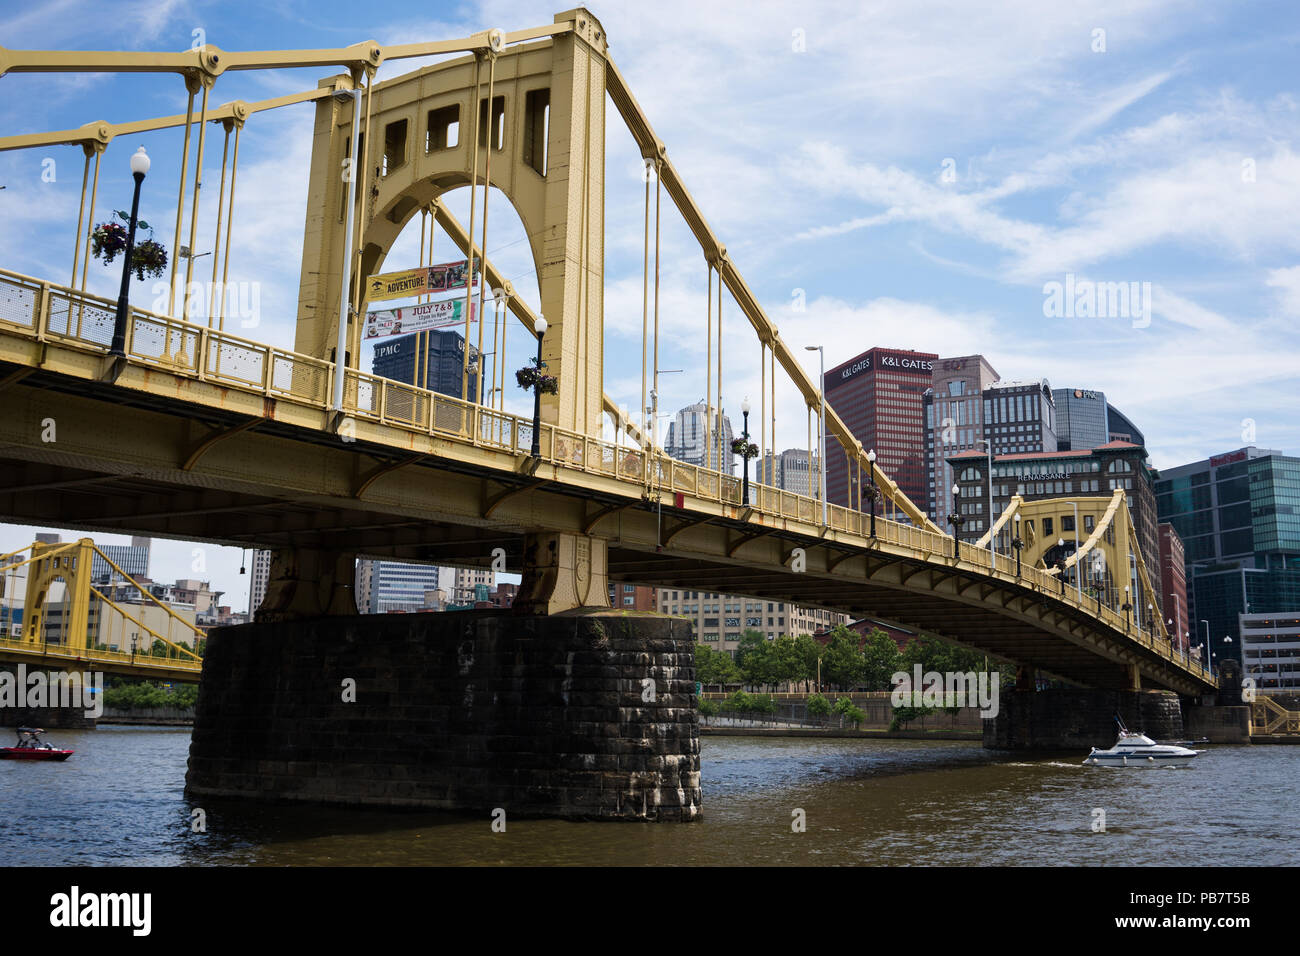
(851, 713)
(818, 706)
(809, 652)
(708, 708)
(715, 667)
(742, 703)
(881, 660)
(905, 715)
(144, 695)
(842, 662)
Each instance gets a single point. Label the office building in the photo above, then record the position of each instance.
(1239, 517)
(720, 620)
(257, 582)
(631, 597)
(685, 440)
(391, 587)
(1096, 472)
(880, 397)
(397, 358)
(1081, 419)
(1173, 585)
(792, 470)
(471, 585)
(1119, 428)
(132, 558)
(1270, 650)
(1020, 417)
(954, 422)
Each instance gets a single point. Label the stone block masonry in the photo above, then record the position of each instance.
(1079, 719)
(585, 715)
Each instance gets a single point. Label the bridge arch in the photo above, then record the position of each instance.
(427, 133)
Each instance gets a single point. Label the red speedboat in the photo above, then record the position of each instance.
(31, 747)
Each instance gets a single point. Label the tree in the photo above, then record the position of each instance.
(809, 653)
(818, 706)
(715, 667)
(881, 660)
(786, 664)
(842, 660)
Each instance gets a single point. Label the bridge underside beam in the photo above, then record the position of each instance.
(284, 485)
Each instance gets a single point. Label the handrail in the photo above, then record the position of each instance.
(573, 450)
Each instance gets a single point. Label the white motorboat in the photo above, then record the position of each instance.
(1139, 750)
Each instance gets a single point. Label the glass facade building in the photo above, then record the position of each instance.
(685, 439)
(1081, 419)
(1239, 517)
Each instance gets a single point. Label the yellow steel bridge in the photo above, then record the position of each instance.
(200, 434)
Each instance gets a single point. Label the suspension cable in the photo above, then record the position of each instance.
(194, 208)
(81, 212)
(708, 371)
(216, 243)
(487, 191)
(476, 109)
(645, 307)
(230, 228)
(192, 84)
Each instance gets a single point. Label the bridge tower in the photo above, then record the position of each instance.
(52, 563)
(427, 132)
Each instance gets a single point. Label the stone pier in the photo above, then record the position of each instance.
(1078, 719)
(588, 714)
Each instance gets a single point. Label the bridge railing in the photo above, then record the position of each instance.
(54, 312)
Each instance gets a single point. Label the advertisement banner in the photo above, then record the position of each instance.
(416, 318)
(445, 277)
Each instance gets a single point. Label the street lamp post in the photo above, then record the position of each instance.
(955, 519)
(821, 467)
(139, 167)
(744, 434)
(536, 451)
(875, 493)
(1060, 564)
(988, 443)
(1126, 606)
(1206, 645)
(1017, 543)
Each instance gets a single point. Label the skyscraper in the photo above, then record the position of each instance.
(954, 422)
(1020, 417)
(1081, 419)
(1239, 517)
(880, 397)
(397, 358)
(685, 439)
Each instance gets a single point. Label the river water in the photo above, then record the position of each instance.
(119, 800)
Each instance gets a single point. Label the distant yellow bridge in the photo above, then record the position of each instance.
(64, 640)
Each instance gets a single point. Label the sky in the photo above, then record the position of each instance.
(912, 175)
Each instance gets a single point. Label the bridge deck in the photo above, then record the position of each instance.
(202, 435)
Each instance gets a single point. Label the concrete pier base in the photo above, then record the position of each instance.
(1077, 719)
(586, 714)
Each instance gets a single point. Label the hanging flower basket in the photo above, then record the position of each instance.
(148, 258)
(871, 492)
(531, 376)
(743, 448)
(108, 241)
